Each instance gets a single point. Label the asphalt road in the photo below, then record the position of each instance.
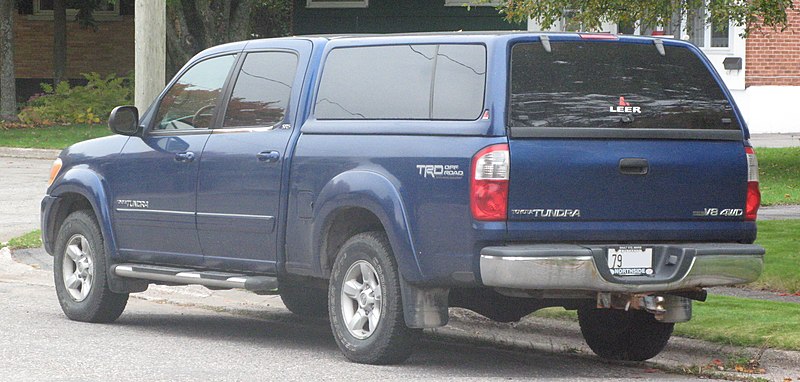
(23, 183)
(174, 334)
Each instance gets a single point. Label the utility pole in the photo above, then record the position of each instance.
(150, 51)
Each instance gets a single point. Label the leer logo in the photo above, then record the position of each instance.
(625, 107)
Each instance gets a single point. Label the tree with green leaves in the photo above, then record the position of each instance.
(750, 14)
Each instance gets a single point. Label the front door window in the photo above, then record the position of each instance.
(192, 101)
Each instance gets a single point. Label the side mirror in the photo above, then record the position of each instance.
(124, 120)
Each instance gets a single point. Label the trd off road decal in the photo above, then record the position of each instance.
(440, 171)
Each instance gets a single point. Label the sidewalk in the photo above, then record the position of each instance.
(22, 153)
(775, 140)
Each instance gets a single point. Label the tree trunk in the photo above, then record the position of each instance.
(59, 41)
(196, 25)
(8, 89)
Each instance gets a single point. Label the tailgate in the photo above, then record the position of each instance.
(626, 180)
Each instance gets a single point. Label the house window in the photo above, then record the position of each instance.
(706, 35)
(337, 4)
(105, 8)
(569, 23)
(693, 27)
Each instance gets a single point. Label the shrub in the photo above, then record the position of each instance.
(90, 103)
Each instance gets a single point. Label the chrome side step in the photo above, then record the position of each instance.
(192, 276)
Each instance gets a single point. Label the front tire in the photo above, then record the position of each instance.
(615, 334)
(365, 304)
(80, 271)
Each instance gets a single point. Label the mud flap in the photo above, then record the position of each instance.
(424, 307)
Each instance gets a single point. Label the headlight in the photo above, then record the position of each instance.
(54, 171)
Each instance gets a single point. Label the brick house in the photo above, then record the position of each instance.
(107, 50)
(770, 98)
(774, 56)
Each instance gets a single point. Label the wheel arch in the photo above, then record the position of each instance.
(78, 189)
(360, 201)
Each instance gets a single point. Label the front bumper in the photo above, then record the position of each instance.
(583, 267)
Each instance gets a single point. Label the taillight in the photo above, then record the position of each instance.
(753, 193)
(489, 183)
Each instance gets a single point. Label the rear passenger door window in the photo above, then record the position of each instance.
(403, 82)
(262, 91)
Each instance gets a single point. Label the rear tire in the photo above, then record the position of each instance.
(365, 305)
(80, 271)
(615, 334)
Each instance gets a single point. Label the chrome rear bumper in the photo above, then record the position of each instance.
(575, 267)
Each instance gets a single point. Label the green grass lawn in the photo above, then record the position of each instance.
(779, 175)
(29, 240)
(53, 137)
(731, 321)
(781, 238)
(744, 322)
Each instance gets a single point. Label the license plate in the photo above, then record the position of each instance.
(630, 261)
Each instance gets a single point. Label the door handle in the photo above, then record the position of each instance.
(269, 156)
(186, 156)
(634, 166)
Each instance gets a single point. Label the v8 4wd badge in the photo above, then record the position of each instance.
(712, 212)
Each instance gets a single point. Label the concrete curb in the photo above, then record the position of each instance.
(16, 152)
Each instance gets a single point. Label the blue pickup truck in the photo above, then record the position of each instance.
(380, 180)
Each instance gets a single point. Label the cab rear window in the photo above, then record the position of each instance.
(614, 85)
